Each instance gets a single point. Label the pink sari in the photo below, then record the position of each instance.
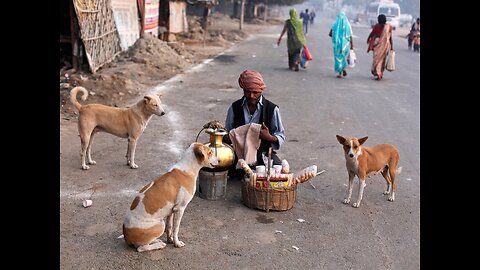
(381, 47)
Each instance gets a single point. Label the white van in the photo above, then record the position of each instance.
(390, 9)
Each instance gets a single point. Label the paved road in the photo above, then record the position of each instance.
(225, 234)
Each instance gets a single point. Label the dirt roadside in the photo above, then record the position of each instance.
(150, 61)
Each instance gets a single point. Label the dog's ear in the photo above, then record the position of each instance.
(147, 99)
(159, 94)
(340, 139)
(198, 151)
(362, 140)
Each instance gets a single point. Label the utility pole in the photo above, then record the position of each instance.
(206, 12)
(265, 11)
(242, 13)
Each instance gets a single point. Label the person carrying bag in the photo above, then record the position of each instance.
(342, 43)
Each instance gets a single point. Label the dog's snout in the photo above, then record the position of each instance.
(351, 155)
(163, 113)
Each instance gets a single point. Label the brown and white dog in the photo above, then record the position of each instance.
(166, 197)
(127, 122)
(364, 161)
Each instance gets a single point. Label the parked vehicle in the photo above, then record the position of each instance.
(390, 9)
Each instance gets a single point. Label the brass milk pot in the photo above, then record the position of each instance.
(224, 152)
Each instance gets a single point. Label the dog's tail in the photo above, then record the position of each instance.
(73, 96)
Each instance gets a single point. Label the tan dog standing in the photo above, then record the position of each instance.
(166, 197)
(127, 122)
(364, 161)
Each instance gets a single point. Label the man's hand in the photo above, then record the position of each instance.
(265, 134)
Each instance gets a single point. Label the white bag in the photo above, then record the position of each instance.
(351, 59)
(390, 62)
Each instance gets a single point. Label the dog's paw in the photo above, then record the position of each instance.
(356, 204)
(161, 245)
(85, 167)
(92, 162)
(170, 240)
(386, 192)
(179, 244)
(392, 198)
(152, 246)
(346, 201)
(134, 166)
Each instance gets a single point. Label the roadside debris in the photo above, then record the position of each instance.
(87, 203)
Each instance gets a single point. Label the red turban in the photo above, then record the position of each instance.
(251, 80)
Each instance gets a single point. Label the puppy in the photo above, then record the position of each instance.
(364, 161)
(166, 197)
(127, 122)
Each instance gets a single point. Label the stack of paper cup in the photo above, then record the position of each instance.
(260, 170)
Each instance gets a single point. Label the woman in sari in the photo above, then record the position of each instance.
(380, 42)
(342, 43)
(295, 39)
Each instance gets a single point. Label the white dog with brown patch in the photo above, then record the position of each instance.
(166, 197)
(127, 122)
(364, 161)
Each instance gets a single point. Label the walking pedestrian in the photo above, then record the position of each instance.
(342, 43)
(415, 26)
(414, 30)
(295, 39)
(312, 16)
(416, 42)
(306, 20)
(380, 42)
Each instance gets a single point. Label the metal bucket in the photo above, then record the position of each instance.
(212, 185)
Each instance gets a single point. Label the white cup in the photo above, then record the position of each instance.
(260, 170)
(87, 203)
(277, 169)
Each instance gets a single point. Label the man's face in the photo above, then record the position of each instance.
(252, 95)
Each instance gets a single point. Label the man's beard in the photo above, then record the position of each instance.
(253, 101)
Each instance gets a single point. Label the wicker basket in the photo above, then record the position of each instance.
(278, 199)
